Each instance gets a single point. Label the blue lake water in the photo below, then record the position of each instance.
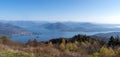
(49, 35)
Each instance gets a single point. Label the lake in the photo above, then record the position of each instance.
(49, 35)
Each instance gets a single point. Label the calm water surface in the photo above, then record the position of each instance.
(49, 35)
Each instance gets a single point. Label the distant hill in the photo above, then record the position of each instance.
(108, 35)
(57, 26)
(70, 26)
(38, 26)
(8, 29)
(92, 27)
(25, 24)
(81, 27)
(33, 26)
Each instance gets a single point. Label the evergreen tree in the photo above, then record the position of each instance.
(111, 41)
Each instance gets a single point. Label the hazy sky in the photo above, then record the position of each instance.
(99, 11)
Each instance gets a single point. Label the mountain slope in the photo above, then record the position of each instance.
(38, 26)
(57, 26)
(8, 29)
(79, 27)
(108, 35)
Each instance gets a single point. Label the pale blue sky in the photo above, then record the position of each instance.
(98, 11)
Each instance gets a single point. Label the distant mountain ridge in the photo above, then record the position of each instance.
(108, 35)
(81, 27)
(65, 26)
(8, 29)
(57, 26)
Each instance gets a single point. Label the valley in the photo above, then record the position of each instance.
(64, 39)
(38, 30)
